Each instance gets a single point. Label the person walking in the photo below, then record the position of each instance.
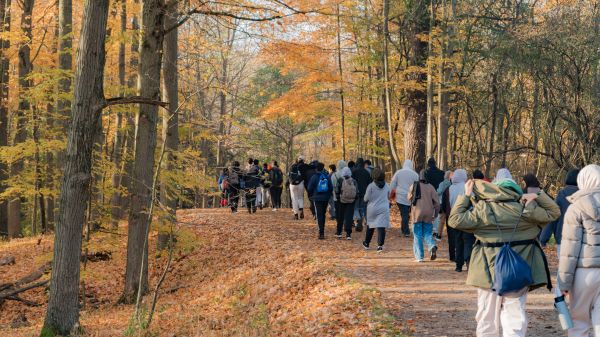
(425, 206)
(377, 197)
(532, 184)
(252, 183)
(309, 170)
(402, 180)
(562, 199)
(346, 192)
(276, 178)
(319, 192)
(444, 209)
(296, 182)
(234, 183)
(579, 263)
(260, 187)
(363, 179)
(463, 241)
(496, 213)
(435, 177)
(332, 207)
(335, 177)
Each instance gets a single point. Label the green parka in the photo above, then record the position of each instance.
(494, 207)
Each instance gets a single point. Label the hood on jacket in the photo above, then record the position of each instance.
(494, 192)
(571, 178)
(408, 165)
(346, 172)
(503, 174)
(360, 163)
(589, 178)
(588, 196)
(341, 164)
(431, 163)
(422, 176)
(460, 176)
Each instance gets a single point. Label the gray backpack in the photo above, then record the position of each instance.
(348, 191)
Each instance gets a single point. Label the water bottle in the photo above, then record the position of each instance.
(563, 312)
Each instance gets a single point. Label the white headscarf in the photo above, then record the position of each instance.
(458, 185)
(589, 177)
(503, 174)
(408, 165)
(346, 172)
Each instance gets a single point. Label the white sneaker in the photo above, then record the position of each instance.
(421, 260)
(274, 209)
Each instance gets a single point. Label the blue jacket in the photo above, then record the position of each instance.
(312, 188)
(555, 227)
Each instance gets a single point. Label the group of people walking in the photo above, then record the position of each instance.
(483, 218)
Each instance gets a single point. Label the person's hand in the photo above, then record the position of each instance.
(528, 198)
(469, 187)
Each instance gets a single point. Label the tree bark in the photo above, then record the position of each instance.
(170, 127)
(116, 210)
(25, 68)
(386, 88)
(151, 40)
(62, 314)
(4, 78)
(429, 139)
(445, 74)
(416, 110)
(341, 71)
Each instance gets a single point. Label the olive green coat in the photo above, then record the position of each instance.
(491, 205)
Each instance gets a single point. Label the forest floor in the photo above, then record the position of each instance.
(267, 275)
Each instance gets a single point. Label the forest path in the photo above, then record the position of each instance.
(427, 299)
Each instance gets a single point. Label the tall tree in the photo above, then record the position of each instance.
(62, 314)
(151, 41)
(24, 70)
(386, 87)
(416, 109)
(341, 73)
(4, 87)
(170, 125)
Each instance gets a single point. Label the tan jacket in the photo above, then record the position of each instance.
(580, 245)
(427, 207)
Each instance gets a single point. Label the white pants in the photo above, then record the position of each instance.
(297, 194)
(494, 311)
(259, 196)
(585, 302)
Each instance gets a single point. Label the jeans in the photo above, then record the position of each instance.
(405, 213)
(380, 235)
(347, 212)
(276, 196)
(464, 246)
(321, 214)
(436, 224)
(332, 209)
(360, 207)
(451, 242)
(422, 231)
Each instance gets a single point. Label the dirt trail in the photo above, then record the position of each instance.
(428, 299)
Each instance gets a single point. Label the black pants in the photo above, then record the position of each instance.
(339, 216)
(380, 235)
(320, 210)
(464, 246)
(451, 242)
(347, 211)
(251, 199)
(234, 195)
(276, 196)
(405, 213)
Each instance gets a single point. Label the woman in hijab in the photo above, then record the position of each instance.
(463, 241)
(377, 198)
(579, 263)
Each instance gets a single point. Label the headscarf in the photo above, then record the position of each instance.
(408, 165)
(460, 176)
(589, 178)
(505, 179)
(458, 186)
(346, 172)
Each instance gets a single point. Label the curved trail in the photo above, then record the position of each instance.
(427, 299)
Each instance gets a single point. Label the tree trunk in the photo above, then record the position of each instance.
(116, 210)
(170, 126)
(386, 88)
(429, 139)
(341, 71)
(62, 314)
(492, 133)
(4, 78)
(416, 110)
(445, 74)
(151, 40)
(25, 67)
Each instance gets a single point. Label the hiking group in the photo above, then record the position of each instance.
(496, 229)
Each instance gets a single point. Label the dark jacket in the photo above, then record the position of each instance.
(308, 171)
(555, 227)
(434, 176)
(252, 177)
(362, 177)
(276, 171)
(312, 188)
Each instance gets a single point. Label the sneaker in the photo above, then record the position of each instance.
(458, 270)
(348, 237)
(365, 245)
(434, 253)
(379, 249)
(274, 210)
(249, 211)
(406, 235)
(296, 217)
(321, 236)
(438, 237)
(419, 260)
(339, 236)
(301, 214)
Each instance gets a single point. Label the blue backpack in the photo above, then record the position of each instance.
(512, 274)
(323, 185)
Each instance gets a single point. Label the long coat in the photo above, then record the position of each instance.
(492, 218)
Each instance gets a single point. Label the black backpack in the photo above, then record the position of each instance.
(277, 179)
(295, 175)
